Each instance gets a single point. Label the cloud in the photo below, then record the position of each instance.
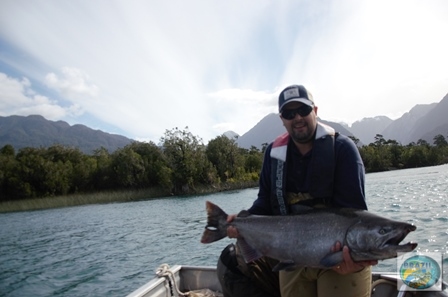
(18, 98)
(243, 107)
(148, 66)
(372, 58)
(243, 96)
(72, 83)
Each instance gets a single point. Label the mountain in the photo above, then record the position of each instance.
(339, 128)
(36, 131)
(421, 122)
(434, 122)
(231, 135)
(402, 129)
(264, 131)
(366, 129)
(270, 127)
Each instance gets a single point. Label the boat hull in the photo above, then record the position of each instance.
(194, 278)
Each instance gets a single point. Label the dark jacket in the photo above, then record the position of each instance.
(333, 170)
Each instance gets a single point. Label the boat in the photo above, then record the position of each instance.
(202, 281)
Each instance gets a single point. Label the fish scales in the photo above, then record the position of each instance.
(305, 240)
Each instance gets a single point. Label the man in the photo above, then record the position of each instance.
(312, 166)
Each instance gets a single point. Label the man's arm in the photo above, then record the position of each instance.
(349, 191)
(349, 177)
(262, 205)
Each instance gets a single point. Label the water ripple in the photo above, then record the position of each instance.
(112, 249)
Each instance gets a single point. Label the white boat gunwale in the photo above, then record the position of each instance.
(190, 278)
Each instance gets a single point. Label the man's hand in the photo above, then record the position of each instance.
(348, 265)
(232, 232)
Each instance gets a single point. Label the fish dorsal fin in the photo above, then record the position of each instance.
(243, 214)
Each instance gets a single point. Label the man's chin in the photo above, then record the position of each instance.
(302, 138)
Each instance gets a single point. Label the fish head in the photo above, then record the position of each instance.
(377, 238)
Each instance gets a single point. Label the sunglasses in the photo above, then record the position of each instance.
(302, 111)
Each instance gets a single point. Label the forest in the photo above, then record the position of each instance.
(178, 165)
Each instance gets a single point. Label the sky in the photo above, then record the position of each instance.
(141, 67)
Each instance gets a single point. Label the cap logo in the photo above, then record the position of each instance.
(291, 93)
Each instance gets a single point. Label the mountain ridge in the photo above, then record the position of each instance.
(423, 121)
(410, 127)
(36, 131)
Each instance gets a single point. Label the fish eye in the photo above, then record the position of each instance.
(385, 230)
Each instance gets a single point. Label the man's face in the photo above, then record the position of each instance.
(300, 128)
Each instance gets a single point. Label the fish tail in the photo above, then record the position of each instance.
(216, 227)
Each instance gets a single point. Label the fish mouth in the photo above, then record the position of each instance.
(395, 241)
(400, 248)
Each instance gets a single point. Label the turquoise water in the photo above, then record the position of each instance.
(112, 249)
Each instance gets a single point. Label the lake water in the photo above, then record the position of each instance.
(112, 249)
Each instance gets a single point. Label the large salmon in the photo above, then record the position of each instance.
(306, 239)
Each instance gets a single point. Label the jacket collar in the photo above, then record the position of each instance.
(280, 144)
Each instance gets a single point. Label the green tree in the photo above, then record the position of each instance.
(396, 151)
(128, 168)
(355, 140)
(376, 156)
(222, 152)
(183, 152)
(440, 141)
(9, 181)
(422, 142)
(83, 174)
(73, 169)
(264, 146)
(102, 175)
(42, 176)
(379, 140)
(415, 155)
(7, 150)
(253, 160)
(439, 153)
(155, 164)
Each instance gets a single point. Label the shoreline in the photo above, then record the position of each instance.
(111, 197)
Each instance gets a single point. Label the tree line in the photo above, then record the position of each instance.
(382, 154)
(178, 165)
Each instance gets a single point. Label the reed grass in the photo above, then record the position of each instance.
(80, 199)
(109, 197)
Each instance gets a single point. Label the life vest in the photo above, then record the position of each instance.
(321, 166)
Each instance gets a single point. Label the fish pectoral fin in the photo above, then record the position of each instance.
(331, 260)
(249, 253)
(285, 265)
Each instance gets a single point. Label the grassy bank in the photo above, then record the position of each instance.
(108, 197)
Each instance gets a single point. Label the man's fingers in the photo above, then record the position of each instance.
(230, 218)
(232, 232)
(346, 254)
(336, 247)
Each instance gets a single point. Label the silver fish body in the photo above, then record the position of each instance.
(306, 239)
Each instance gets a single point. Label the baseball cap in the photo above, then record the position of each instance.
(295, 93)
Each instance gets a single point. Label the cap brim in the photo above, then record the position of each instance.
(301, 100)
